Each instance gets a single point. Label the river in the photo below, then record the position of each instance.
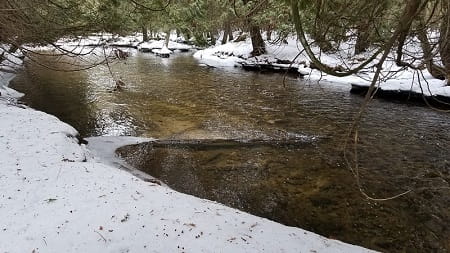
(270, 148)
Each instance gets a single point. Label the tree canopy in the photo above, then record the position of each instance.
(366, 25)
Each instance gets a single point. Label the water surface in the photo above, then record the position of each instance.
(308, 184)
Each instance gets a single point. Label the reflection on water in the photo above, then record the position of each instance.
(401, 147)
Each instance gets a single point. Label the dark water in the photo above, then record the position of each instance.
(306, 183)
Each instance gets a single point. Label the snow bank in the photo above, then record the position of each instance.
(428, 85)
(8, 67)
(162, 51)
(5, 92)
(159, 44)
(232, 53)
(227, 55)
(132, 41)
(235, 53)
(127, 41)
(103, 150)
(95, 40)
(100, 39)
(56, 197)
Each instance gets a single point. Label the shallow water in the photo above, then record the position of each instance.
(305, 184)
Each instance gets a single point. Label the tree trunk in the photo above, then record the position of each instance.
(166, 41)
(366, 27)
(411, 9)
(362, 39)
(444, 43)
(259, 47)
(212, 36)
(230, 35)
(150, 33)
(144, 33)
(226, 32)
(225, 37)
(269, 34)
(435, 70)
(319, 32)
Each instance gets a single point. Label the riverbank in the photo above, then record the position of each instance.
(57, 197)
(399, 83)
(396, 83)
(132, 41)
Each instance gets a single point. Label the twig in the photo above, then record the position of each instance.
(104, 239)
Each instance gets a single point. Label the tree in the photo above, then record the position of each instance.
(42, 22)
(258, 44)
(444, 41)
(390, 25)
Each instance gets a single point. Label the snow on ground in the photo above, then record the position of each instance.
(233, 53)
(8, 67)
(159, 44)
(55, 196)
(103, 149)
(8, 94)
(85, 44)
(94, 40)
(162, 51)
(226, 55)
(131, 40)
(100, 39)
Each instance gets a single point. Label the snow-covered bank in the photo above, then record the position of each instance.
(5, 92)
(10, 64)
(99, 40)
(236, 53)
(159, 44)
(103, 150)
(163, 52)
(131, 41)
(56, 197)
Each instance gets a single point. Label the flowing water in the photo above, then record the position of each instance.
(249, 141)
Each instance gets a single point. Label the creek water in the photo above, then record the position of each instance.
(270, 148)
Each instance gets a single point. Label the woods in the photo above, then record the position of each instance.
(366, 26)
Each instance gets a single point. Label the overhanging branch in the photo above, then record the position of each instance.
(320, 65)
